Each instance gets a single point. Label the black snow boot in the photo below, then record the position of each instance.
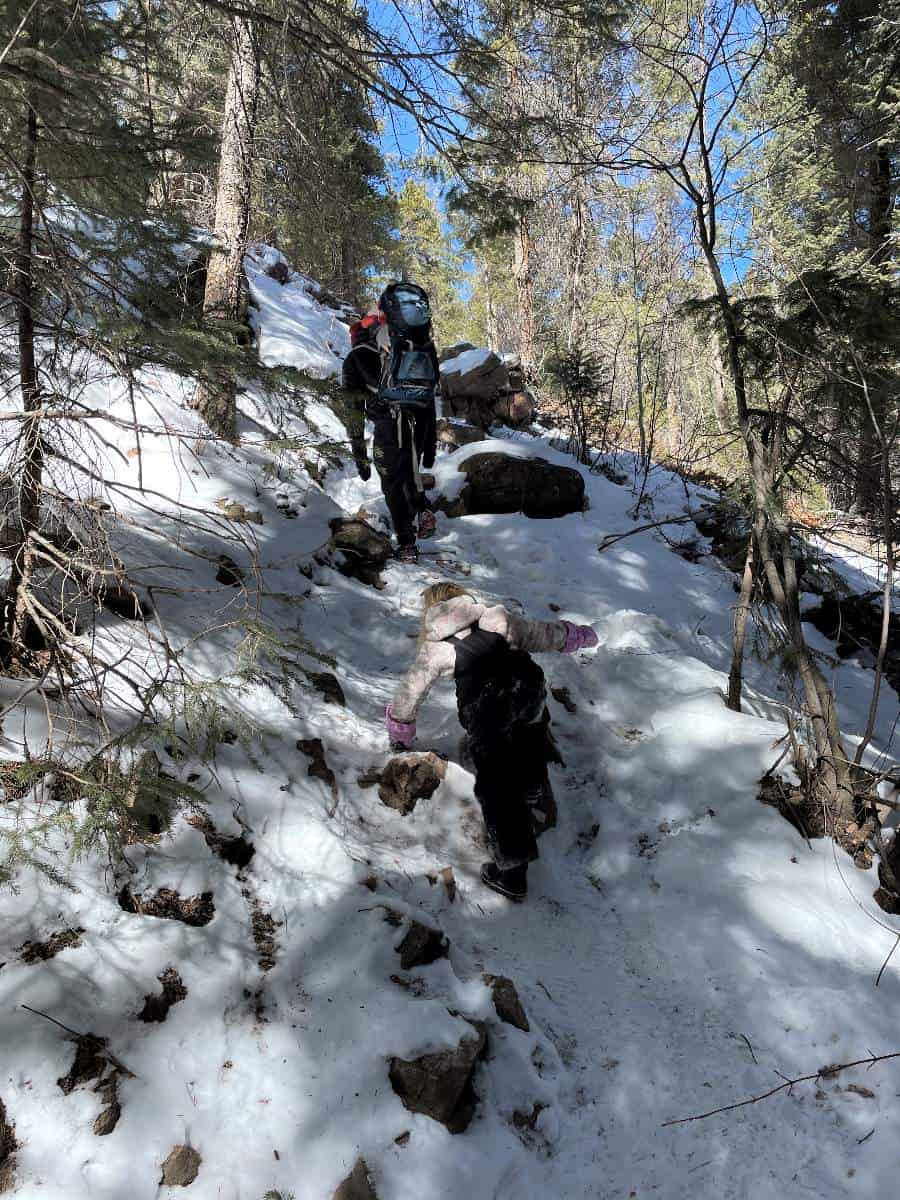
(513, 884)
(408, 554)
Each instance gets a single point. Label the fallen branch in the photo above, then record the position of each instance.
(822, 1073)
(612, 538)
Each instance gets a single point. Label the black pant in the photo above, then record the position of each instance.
(393, 449)
(510, 760)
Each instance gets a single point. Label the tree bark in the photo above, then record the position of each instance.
(741, 620)
(867, 480)
(215, 397)
(524, 291)
(30, 451)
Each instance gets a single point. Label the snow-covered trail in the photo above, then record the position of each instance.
(680, 944)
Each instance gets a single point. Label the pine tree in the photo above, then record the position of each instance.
(224, 296)
(81, 155)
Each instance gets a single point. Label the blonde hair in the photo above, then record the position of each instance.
(437, 593)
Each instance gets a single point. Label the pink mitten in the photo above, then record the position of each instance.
(401, 733)
(578, 637)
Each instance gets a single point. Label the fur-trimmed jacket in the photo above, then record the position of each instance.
(436, 658)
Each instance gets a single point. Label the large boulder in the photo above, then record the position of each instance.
(500, 483)
(474, 373)
(440, 1085)
(454, 351)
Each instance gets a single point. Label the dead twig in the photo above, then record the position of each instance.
(826, 1072)
(612, 538)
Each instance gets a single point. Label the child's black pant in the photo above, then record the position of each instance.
(511, 780)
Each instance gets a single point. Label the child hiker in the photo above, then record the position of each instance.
(500, 697)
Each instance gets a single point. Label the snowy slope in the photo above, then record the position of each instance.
(680, 947)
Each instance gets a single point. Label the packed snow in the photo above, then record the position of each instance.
(682, 947)
(469, 360)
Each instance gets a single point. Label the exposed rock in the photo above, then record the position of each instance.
(181, 1167)
(167, 904)
(507, 1004)
(229, 573)
(563, 696)
(421, 946)
(454, 351)
(64, 939)
(232, 510)
(8, 1147)
(329, 686)
(319, 768)
(279, 271)
(448, 879)
(156, 1008)
(480, 373)
(123, 601)
(357, 1185)
(515, 409)
(440, 1085)
(359, 550)
(453, 434)
(854, 623)
(499, 483)
(106, 1122)
(409, 778)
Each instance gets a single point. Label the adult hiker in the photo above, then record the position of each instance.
(500, 696)
(391, 375)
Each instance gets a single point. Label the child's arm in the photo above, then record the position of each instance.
(433, 660)
(538, 637)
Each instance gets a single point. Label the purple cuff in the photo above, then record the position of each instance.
(578, 637)
(401, 732)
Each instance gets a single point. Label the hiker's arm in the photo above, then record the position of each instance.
(433, 660)
(429, 448)
(350, 406)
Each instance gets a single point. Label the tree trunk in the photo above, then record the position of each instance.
(524, 291)
(577, 256)
(741, 620)
(30, 450)
(215, 397)
(868, 463)
(830, 778)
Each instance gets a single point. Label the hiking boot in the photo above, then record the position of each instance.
(513, 884)
(427, 523)
(408, 554)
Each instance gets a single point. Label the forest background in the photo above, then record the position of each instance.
(681, 217)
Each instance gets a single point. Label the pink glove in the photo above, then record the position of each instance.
(578, 637)
(401, 733)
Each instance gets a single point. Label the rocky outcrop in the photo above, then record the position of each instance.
(440, 1085)
(499, 483)
(482, 388)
